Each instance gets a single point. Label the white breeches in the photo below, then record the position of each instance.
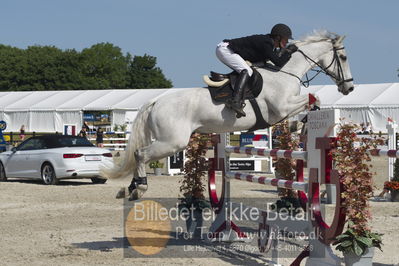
(231, 59)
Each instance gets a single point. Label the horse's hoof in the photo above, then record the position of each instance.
(135, 195)
(138, 192)
(121, 193)
(142, 187)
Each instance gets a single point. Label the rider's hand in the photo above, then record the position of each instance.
(292, 48)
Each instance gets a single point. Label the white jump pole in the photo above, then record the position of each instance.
(392, 129)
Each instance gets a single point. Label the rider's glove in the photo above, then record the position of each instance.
(292, 48)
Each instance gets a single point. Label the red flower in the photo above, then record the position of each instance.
(391, 185)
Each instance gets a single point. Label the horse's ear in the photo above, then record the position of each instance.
(340, 39)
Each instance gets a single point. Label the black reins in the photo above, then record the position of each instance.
(340, 79)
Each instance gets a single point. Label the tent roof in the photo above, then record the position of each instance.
(364, 96)
(129, 99)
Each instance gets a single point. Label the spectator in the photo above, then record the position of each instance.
(22, 133)
(368, 129)
(83, 132)
(86, 126)
(100, 137)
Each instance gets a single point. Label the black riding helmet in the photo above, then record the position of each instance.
(281, 30)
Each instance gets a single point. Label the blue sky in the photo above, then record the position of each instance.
(183, 34)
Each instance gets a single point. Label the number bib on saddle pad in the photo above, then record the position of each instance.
(225, 92)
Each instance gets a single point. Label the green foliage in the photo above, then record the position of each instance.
(351, 242)
(290, 205)
(284, 167)
(352, 164)
(102, 66)
(143, 74)
(195, 203)
(123, 127)
(156, 164)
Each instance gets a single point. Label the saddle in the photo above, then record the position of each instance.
(221, 86)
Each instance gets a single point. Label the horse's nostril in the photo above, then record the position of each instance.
(351, 89)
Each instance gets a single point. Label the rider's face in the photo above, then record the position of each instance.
(283, 42)
(280, 42)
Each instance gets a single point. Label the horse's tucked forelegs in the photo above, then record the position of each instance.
(296, 104)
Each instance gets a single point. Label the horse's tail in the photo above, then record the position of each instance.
(140, 137)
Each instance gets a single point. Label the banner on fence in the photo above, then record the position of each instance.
(175, 163)
(70, 130)
(256, 140)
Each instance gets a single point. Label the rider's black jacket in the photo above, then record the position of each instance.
(258, 48)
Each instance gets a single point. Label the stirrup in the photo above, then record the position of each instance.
(239, 110)
(240, 113)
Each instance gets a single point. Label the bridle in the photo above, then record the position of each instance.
(339, 79)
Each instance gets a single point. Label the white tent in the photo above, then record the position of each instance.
(49, 111)
(368, 103)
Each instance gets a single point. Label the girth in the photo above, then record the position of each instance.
(260, 121)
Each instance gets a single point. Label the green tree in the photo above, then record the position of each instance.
(11, 66)
(40, 68)
(102, 66)
(143, 73)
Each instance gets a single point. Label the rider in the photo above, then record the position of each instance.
(255, 48)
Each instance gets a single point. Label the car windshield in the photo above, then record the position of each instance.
(71, 142)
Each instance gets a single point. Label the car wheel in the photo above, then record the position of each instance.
(3, 176)
(48, 175)
(97, 180)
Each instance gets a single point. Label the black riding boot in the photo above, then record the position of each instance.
(237, 104)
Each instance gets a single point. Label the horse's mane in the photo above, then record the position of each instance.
(316, 36)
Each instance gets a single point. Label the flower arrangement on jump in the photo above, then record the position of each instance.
(195, 168)
(393, 185)
(352, 163)
(284, 167)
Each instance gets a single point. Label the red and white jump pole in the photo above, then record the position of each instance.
(319, 162)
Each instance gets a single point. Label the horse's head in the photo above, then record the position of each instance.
(329, 54)
(336, 65)
(341, 71)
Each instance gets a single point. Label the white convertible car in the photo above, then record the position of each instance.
(54, 157)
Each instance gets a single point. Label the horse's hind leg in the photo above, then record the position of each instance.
(157, 150)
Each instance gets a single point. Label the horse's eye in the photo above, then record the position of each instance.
(343, 57)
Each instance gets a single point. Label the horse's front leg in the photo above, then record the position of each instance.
(296, 104)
